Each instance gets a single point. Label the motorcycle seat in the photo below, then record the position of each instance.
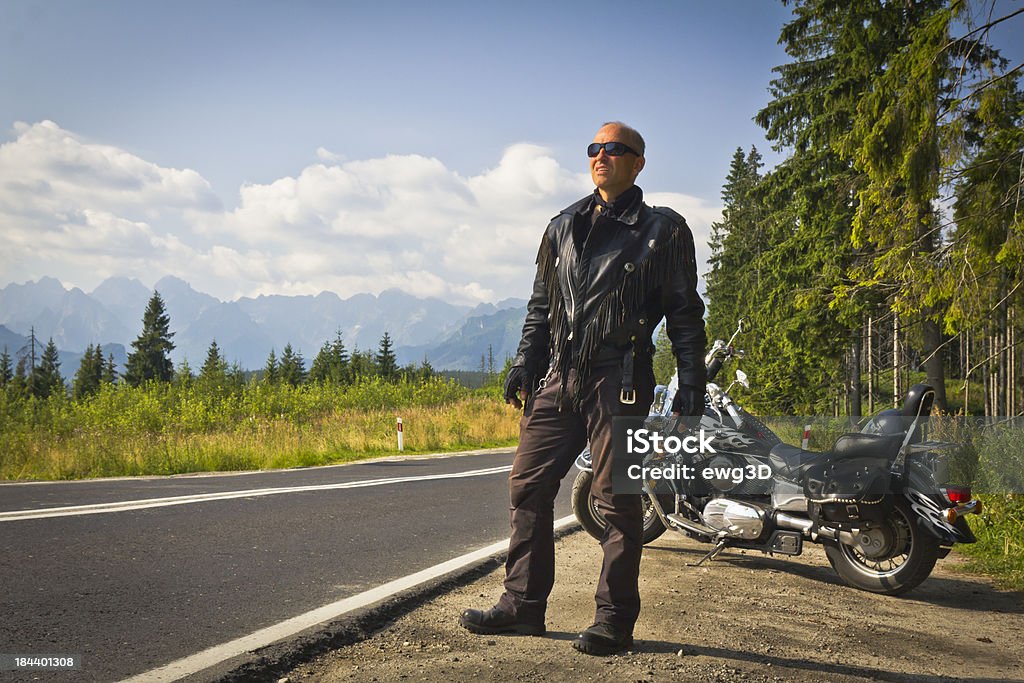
(790, 462)
(858, 445)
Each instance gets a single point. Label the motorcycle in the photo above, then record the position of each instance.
(876, 501)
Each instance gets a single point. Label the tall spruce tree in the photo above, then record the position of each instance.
(271, 369)
(331, 363)
(988, 211)
(361, 364)
(902, 141)
(215, 368)
(387, 365)
(150, 359)
(46, 379)
(110, 373)
(19, 385)
(6, 369)
(89, 375)
(736, 245)
(292, 366)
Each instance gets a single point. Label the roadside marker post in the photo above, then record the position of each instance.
(807, 437)
(401, 445)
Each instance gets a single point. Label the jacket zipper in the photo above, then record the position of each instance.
(572, 300)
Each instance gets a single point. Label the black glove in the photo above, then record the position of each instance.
(519, 380)
(689, 401)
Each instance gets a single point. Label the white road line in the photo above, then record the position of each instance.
(264, 637)
(122, 506)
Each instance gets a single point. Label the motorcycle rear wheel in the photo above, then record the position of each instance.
(909, 558)
(584, 506)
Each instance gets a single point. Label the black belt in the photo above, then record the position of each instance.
(628, 395)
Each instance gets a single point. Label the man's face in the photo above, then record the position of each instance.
(614, 175)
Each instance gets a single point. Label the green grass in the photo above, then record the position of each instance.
(163, 429)
(999, 551)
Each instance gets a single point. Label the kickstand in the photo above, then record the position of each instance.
(711, 555)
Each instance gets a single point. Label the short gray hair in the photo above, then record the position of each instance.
(634, 139)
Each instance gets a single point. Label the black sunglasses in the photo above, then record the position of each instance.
(612, 149)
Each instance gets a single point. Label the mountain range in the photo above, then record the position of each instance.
(449, 336)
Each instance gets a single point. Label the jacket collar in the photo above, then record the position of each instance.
(629, 215)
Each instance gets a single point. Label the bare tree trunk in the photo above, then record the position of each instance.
(895, 360)
(1011, 384)
(1004, 348)
(933, 365)
(855, 386)
(967, 369)
(986, 374)
(871, 368)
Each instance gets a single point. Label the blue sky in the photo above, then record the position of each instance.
(292, 147)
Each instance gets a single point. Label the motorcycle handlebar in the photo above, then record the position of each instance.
(714, 366)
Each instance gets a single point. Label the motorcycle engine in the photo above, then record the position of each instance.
(736, 519)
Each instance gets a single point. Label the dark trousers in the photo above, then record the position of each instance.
(549, 441)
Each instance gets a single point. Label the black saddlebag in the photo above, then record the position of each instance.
(854, 482)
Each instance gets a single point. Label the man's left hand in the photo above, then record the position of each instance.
(688, 401)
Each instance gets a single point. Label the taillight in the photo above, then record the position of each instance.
(956, 495)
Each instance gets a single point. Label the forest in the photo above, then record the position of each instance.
(887, 247)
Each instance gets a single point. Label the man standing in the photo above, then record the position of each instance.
(609, 268)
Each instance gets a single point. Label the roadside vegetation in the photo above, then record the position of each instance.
(156, 419)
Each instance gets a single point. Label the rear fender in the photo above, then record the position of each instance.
(931, 517)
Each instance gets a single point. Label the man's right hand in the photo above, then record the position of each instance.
(518, 386)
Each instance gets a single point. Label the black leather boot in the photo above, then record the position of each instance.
(495, 621)
(603, 639)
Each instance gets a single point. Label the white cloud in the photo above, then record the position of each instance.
(82, 211)
(324, 154)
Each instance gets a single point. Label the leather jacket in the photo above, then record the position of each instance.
(595, 302)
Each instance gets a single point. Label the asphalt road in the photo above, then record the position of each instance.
(133, 589)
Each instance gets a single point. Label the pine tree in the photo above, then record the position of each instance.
(183, 376)
(19, 385)
(361, 364)
(214, 370)
(46, 379)
(271, 371)
(331, 363)
(6, 369)
(803, 321)
(150, 359)
(110, 374)
(387, 366)
(90, 373)
(736, 244)
(901, 142)
(426, 370)
(234, 378)
(292, 367)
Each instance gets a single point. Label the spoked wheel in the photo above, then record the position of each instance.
(891, 558)
(584, 506)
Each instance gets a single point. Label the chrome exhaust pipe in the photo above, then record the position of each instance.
(802, 524)
(796, 523)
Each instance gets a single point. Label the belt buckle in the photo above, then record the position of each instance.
(627, 397)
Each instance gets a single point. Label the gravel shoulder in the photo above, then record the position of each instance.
(743, 617)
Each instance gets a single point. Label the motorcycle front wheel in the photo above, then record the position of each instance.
(584, 506)
(892, 558)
